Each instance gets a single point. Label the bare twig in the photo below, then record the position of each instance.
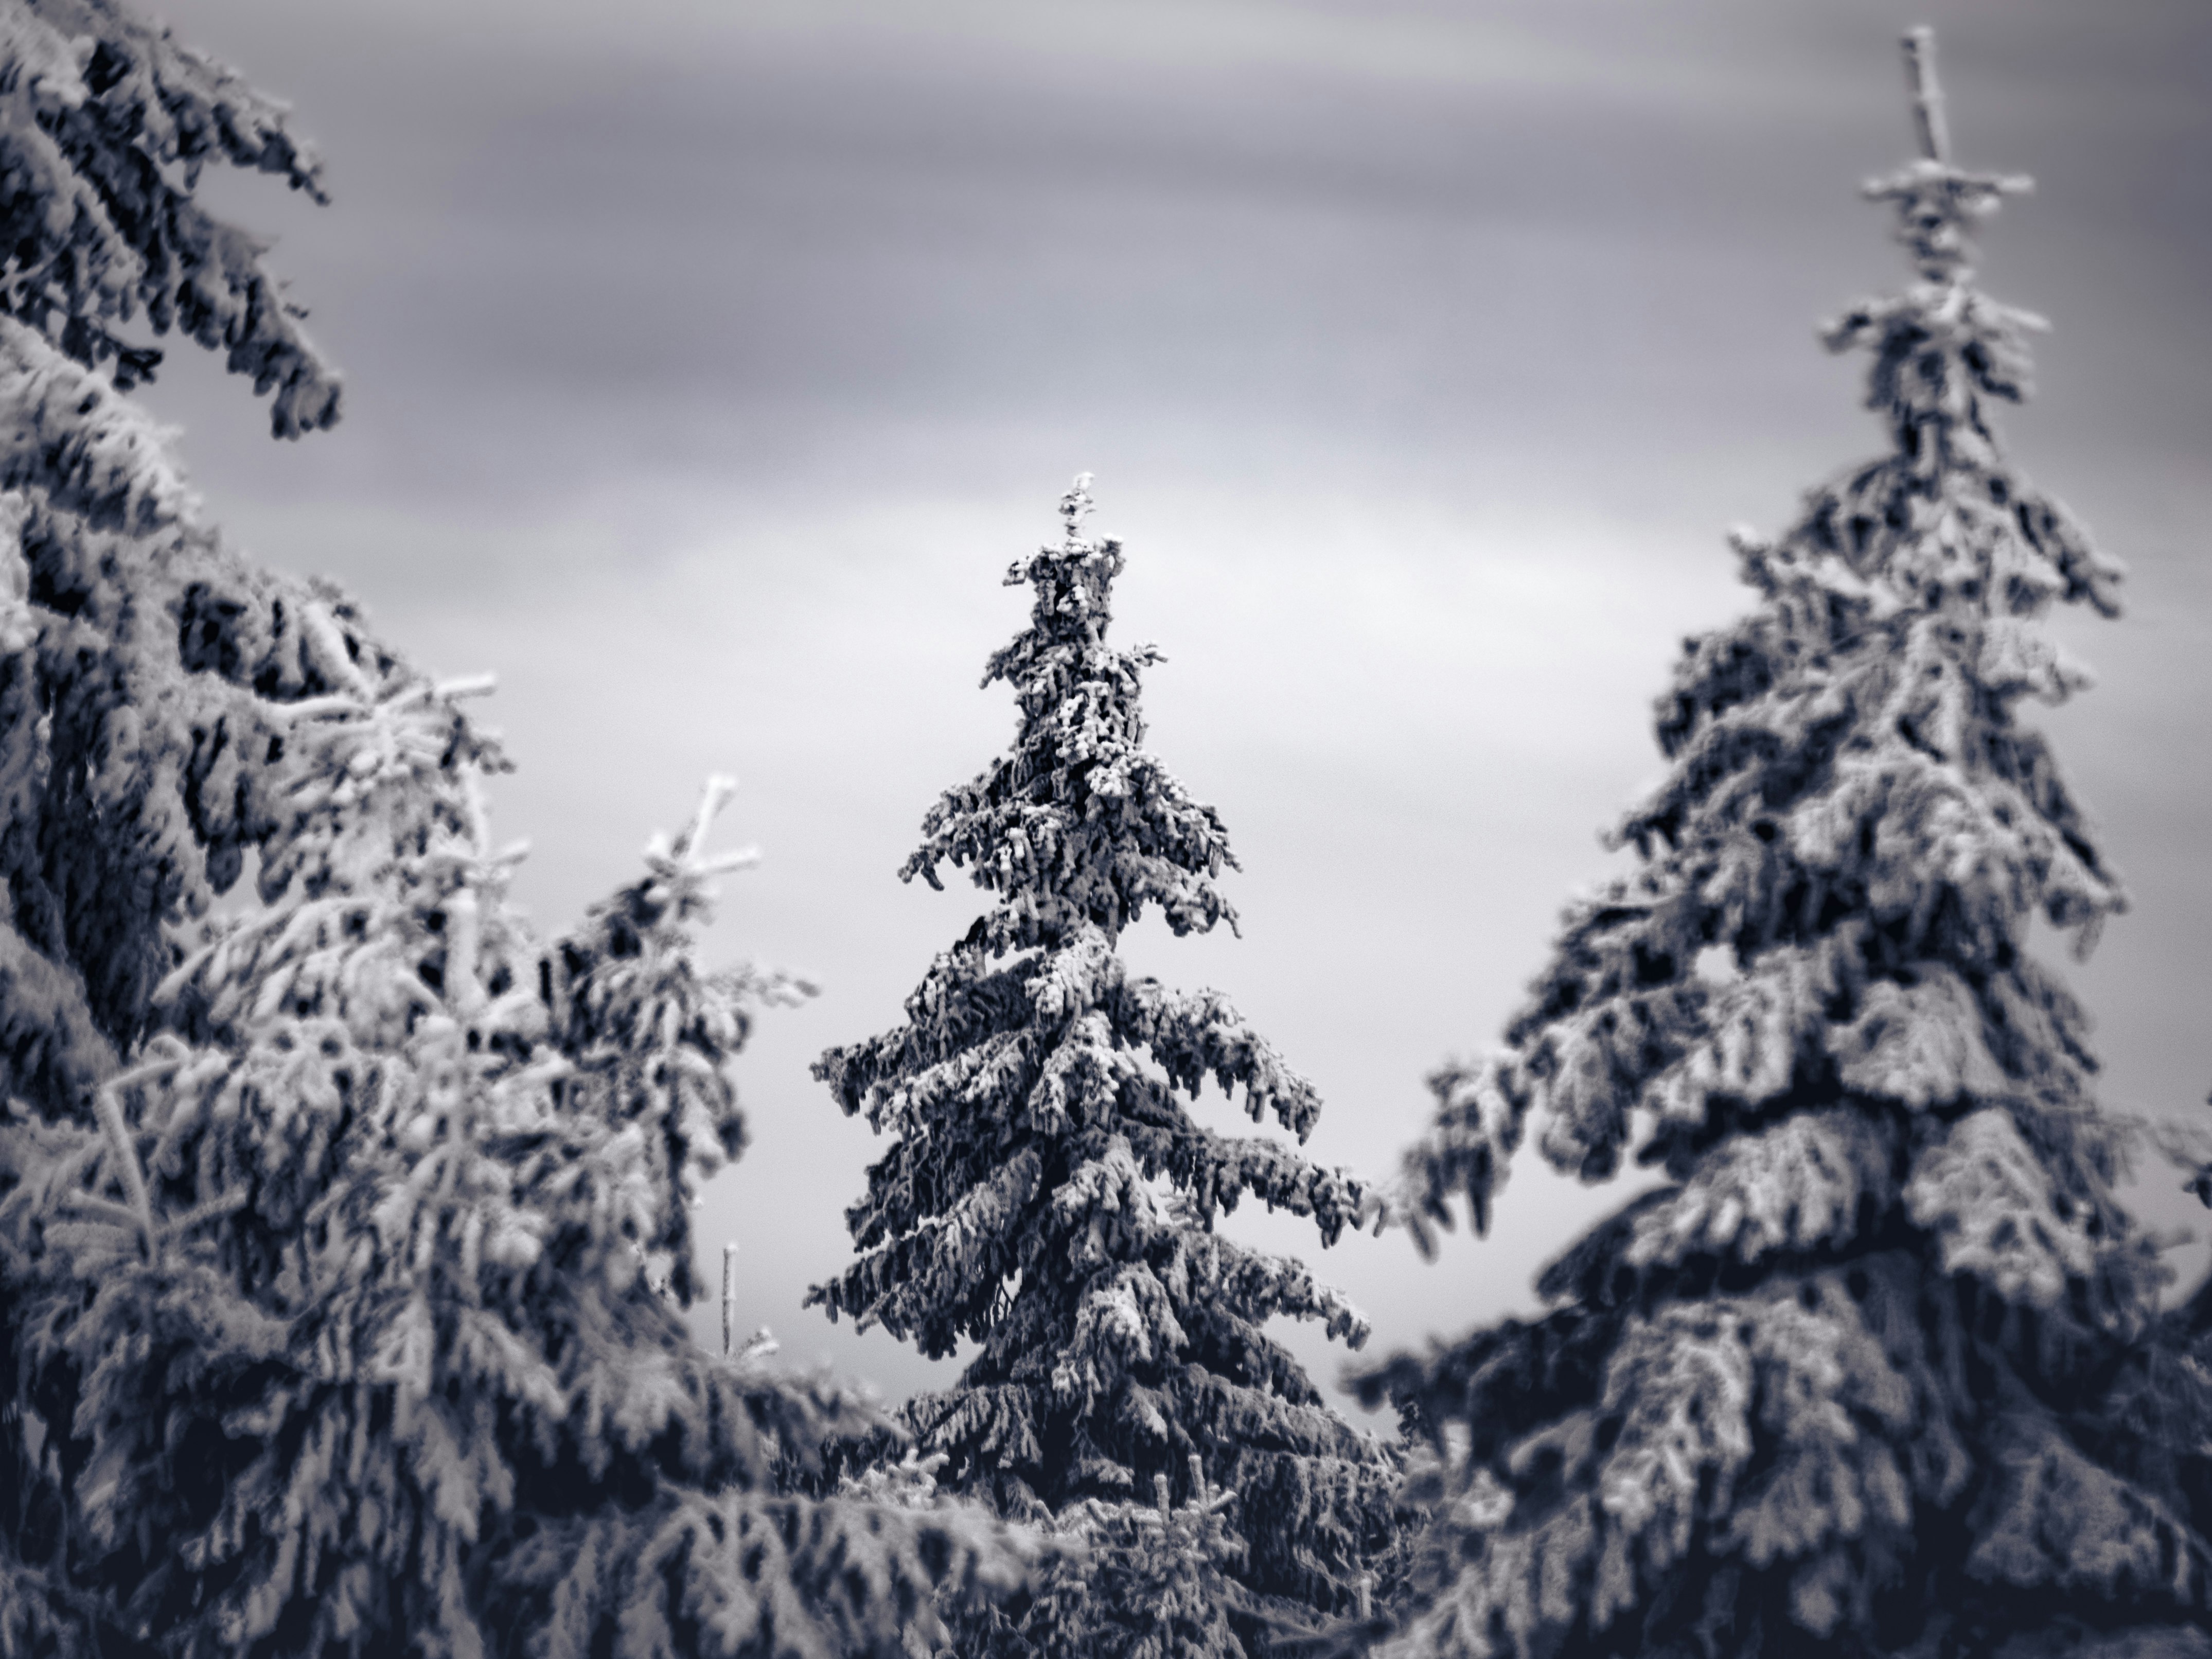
(729, 1298)
(1927, 94)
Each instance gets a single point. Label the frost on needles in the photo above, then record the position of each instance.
(324, 1199)
(1050, 1195)
(1878, 1371)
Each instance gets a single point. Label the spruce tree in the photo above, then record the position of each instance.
(322, 1209)
(1051, 1194)
(1858, 1379)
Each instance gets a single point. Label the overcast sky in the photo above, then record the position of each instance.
(708, 359)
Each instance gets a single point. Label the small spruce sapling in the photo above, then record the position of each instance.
(334, 1321)
(1049, 1195)
(1846, 1385)
(1156, 1581)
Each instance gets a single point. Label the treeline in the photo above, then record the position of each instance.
(332, 1215)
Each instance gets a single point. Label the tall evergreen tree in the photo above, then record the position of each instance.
(321, 1323)
(1049, 1194)
(1846, 1384)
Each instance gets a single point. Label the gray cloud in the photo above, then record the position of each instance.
(707, 363)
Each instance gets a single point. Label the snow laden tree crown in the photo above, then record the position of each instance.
(1051, 1194)
(324, 1196)
(1844, 1385)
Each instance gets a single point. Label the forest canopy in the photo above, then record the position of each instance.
(350, 1218)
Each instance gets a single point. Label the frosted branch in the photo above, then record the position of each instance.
(729, 1298)
(108, 1107)
(331, 658)
(1075, 507)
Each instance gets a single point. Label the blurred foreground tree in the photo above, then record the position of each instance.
(1872, 1374)
(1049, 1194)
(322, 1323)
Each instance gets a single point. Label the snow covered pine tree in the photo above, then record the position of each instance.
(322, 1328)
(1050, 1196)
(1841, 1388)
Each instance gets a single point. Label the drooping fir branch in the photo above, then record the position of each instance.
(1877, 1370)
(1050, 1193)
(105, 124)
(142, 744)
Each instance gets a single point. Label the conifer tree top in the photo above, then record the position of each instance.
(1076, 823)
(1942, 346)
(1852, 817)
